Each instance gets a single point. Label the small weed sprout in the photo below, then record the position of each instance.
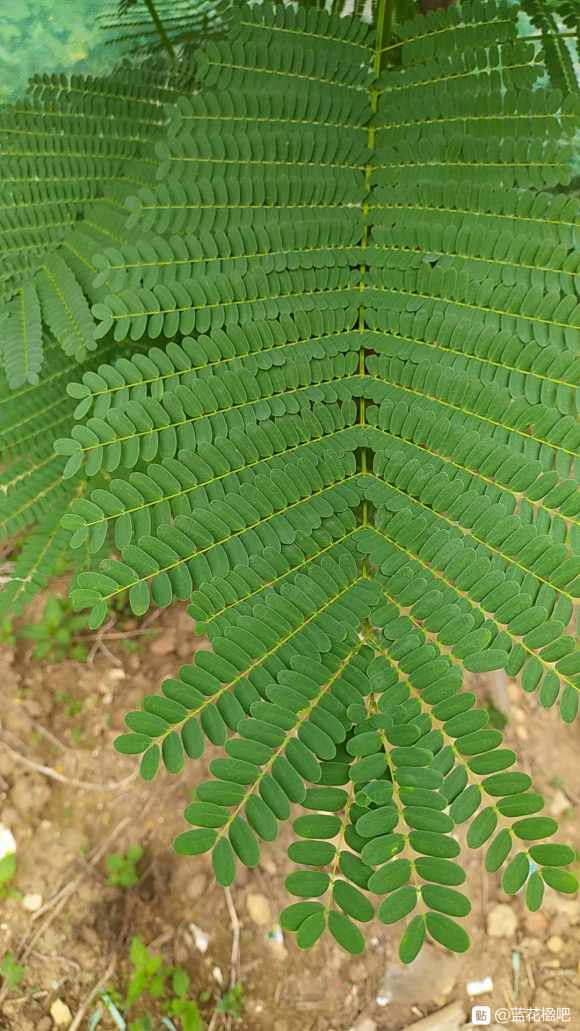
(123, 868)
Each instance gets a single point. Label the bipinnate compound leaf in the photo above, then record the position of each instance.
(289, 336)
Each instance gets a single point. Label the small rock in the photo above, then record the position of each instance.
(163, 645)
(522, 733)
(200, 937)
(501, 921)
(60, 1013)
(555, 944)
(434, 972)
(32, 902)
(44, 1024)
(364, 1023)
(535, 923)
(258, 909)
(269, 865)
(115, 674)
(481, 987)
(559, 804)
(196, 886)
(9, 816)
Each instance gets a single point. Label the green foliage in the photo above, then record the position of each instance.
(232, 1002)
(332, 284)
(169, 985)
(54, 637)
(7, 873)
(11, 972)
(552, 17)
(142, 27)
(123, 867)
(7, 634)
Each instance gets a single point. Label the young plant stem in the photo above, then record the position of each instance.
(160, 28)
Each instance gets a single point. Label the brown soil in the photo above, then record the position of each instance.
(63, 834)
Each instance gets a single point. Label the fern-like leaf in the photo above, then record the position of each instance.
(336, 410)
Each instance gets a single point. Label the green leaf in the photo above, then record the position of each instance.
(346, 933)
(150, 762)
(172, 751)
(311, 929)
(261, 818)
(224, 862)
(397, 905)
(319, 826)
(244, 841)
(447, 932)
(515, 874)
(146, 723)
(561, 880)
(379, 821)
(312, 853)
(442, 871)
(293, 916)
(465, 804)
(552, 854)
(132, 744)
(352, 901)
(534, 891)
(498, 851)
(206, 814)
(307, 883)
(535, 827)
(193, 843)
(392, 875)
(482, 828)
(412, 939)
(445, 900)
(512, 783)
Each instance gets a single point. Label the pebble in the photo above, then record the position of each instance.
(555, 944)
(535, 923)
(258, 909)
(163, 645)
(434, 972)
(196, 886)
(9, 816)
(200, 937)
(364, 1023)
(501, 921)
(60, 1013)
(481, 987)
(44, 1024)
(32, 902)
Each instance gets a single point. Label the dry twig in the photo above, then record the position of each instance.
(47, 771)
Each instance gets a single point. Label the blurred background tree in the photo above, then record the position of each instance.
(50, 35)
